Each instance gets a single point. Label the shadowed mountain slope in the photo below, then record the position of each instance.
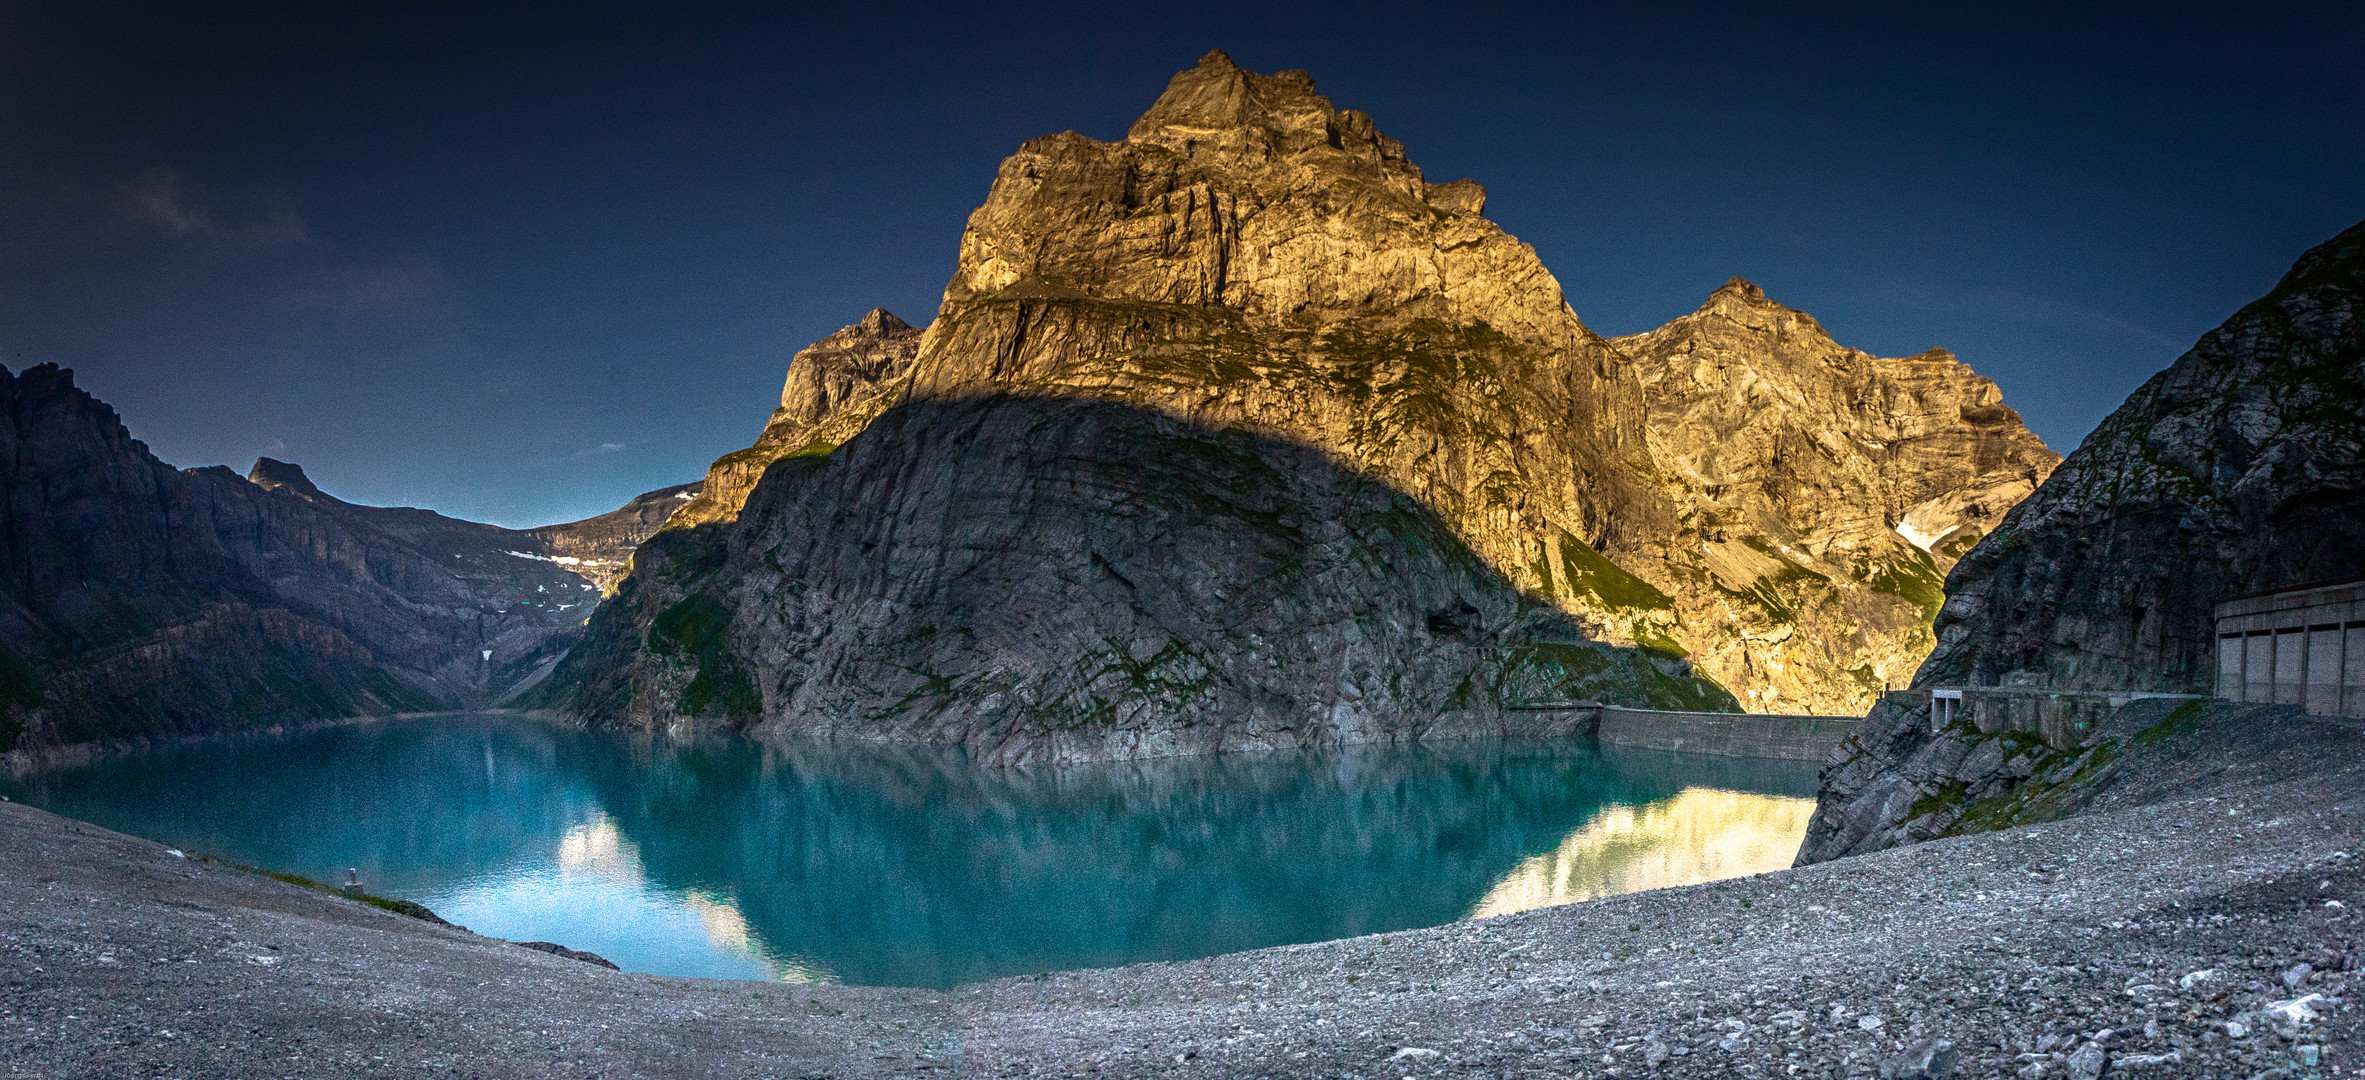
(1048, 579)
(1251, 257)
(2240, 468)
(142, 600)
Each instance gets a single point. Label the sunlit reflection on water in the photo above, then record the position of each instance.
(885, 866)
(596, 892)
(1699, 834)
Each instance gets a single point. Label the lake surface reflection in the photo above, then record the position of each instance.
(909, 867)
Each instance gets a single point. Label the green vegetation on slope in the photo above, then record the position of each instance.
(696, 628)
(1916, 581)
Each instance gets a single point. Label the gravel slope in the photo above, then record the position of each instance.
(2151, 936)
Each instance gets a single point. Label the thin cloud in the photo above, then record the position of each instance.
(588, 453)
(2040, 309)
(2026, 307)
(160, 201)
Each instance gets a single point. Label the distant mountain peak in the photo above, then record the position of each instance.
(1741, 301)
(879, 321)
(271, 474)
(1740, 288)
(1218, 95)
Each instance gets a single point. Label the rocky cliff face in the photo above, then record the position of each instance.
(1251, 257)
(835, 386)
(1828, 492)
(1047, 579)
(600, 548)
(145, 600)
(2239, 468)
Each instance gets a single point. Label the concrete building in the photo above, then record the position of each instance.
(2303, 645)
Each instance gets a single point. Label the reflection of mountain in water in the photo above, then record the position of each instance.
(914, 867)
(918, 869)
(410, 803)
(1697, 835)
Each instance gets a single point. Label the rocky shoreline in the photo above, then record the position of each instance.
(2203, 922)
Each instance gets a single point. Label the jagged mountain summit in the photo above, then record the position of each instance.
(2240, 468)
(141, 600)
(1249, 256)
(1253, 269)
(835, 386)
(1827, 491)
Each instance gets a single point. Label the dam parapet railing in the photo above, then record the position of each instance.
(1784, 736)
(2060, 717)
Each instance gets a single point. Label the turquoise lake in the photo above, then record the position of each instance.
(751, 859)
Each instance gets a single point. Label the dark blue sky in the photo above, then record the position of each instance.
(520, 263)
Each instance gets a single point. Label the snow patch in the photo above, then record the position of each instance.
(562, 560)
(1912, 535)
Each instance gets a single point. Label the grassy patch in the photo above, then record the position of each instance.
(1571, 671)
(412, 908)
(2184, 720)
(750, 456)
(1948, 794)
(697, 628)
(1609, 585)
(2042, 797)
(1916, 581)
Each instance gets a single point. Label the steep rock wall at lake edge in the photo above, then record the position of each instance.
(1250, 256)
(1048, 579)
(2239, 468)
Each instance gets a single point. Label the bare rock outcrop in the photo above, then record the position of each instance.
(138, 600)
(1251, 257)
(1826, 492)
(1048, 579)
(834, 387)
(2239, 468)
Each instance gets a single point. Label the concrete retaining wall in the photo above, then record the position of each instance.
(2299, 646)
(2060, 717)
(1761, 735)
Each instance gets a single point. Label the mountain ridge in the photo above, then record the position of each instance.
(143, 601)
(1251, 259)
(2240, 467)
(1250, 256)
